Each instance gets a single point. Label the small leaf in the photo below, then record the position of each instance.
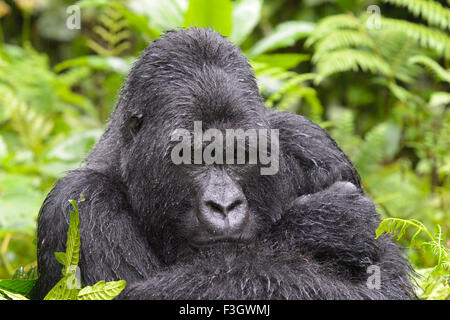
(102, 290)
(61, 290)
(61, 257)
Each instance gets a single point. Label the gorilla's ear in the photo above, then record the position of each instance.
(135, 123)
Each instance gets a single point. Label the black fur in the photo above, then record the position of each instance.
(314, 228)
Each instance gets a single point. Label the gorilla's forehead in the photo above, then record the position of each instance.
(196, 74)
(210, 95)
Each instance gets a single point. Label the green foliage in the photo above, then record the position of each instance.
(382, 93)
(161, 15)
(284, 35)
(348, 43)
(102, 290)
(38, 112)
(343, 43)
(431, 11)
(135, 20)
(8, 295)
(201, 14)
(425, 36)
(440, 73)
(19, 285)
(286, 89)
(69, 287)
(245, 16)
(435, 282)
(113, 32)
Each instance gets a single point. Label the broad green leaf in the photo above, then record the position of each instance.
(284, 35)
(209, 14)
(20, 286)
(7, 295)
(102, 290)
(64, 289)
(281, 60)
(245, 16)
(115, 64)
(163, 15)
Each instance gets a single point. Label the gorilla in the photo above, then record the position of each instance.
(197, 230)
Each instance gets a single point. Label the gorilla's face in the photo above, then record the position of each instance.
(219, 209)
(217, 172)
(206, 201)
(195, 202)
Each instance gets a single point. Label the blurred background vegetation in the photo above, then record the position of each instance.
(377, 78)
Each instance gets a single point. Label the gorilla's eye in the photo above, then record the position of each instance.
(135, 123)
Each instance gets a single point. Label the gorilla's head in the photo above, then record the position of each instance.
(185, 79)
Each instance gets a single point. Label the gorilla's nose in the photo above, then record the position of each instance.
(223, 207)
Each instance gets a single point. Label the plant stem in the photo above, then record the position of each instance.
(3, 250)
(1, 35)
(25, 27)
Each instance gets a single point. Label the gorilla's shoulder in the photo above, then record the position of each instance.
(298, 125)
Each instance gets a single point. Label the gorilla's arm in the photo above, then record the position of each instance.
(328, 215)
(312, 159)
(337, 223)
(268, 270)
(112, 245)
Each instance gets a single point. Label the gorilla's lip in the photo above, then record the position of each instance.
(207, 242)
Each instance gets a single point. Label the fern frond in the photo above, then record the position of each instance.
(395, 49)
(433, 12)
(112, 32)
(344, 132)
(376, 51)
(438, 249)
(333, 23)
(432, 65)
(343, 39)
(294, 81)
(349, 60)
(404, 95)
(397, 226)
(425, 36)
(373, 149)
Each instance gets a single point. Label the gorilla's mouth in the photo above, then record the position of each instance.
(205, 242)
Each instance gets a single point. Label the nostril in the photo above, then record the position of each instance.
(216, 207)
(227, 218)
(234, 205)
